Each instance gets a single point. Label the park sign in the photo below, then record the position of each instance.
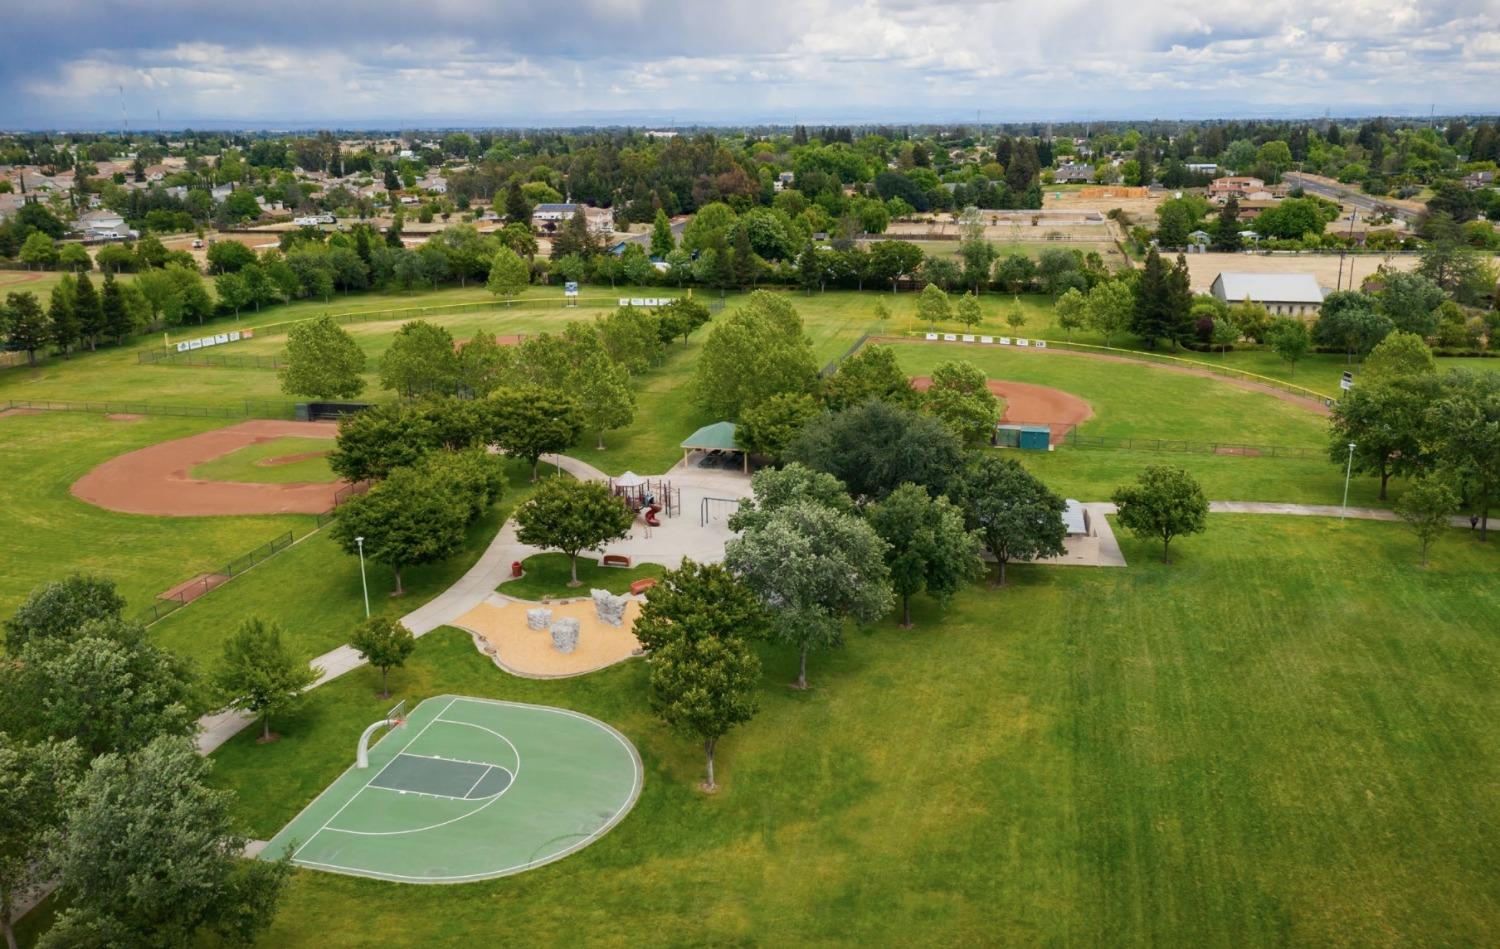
(1347, 382)
(217, 339)
(570, 289)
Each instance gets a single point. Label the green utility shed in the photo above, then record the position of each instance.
(1028, 437)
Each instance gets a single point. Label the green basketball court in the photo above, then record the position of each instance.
(468, 789)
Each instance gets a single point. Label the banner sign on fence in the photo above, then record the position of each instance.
(1005, 341)
(218, 339)
(968, 338)
(1023, 342)
(986, 339)
(932, 336)
(1040, 343)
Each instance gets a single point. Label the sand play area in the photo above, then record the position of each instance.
(156, 480)
(499, 628)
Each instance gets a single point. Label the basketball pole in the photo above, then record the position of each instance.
(362, 581)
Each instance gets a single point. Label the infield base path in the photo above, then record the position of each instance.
(155, 479)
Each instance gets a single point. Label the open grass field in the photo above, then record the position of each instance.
(547, 575)
(45, 532)
(265, 462)
(1286, 737)
(313, 589)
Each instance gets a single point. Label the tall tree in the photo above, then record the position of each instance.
(61, 607)
(932, 306)
(1014, 514)
(406, 520)
(770, 427)
(24, 323)
(704, 685)
(259, 673)
(960, 398)
(757, 351)
(662, 241)
(572, 516)
(602, 389)
(705, 597)
(1427, 510)
(874, 448)
(322, 361)
(34, 784)
(149, 857)
(89, 310)
(1290, 339)
(1111, 308)
(385, 643)
(531, 421)
(63, 330)
(509, 274)
(871, 373)
(928, 546)
(1165, 503)
(1464, 436)
(817, 568)
(775, 488)
(117, 318)
(421, 360)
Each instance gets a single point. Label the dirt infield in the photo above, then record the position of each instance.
(155, 480)
(1027, 404)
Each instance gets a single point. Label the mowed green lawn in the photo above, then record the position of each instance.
(264, 462)
(1286, 737)
(548, 575)
(45, 532)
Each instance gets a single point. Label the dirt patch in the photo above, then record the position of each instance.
(500, 631)
(1028, 404)
(291, 459)
(1325, 268)
(123, 417)
(189, 590)
(155, 480)
(508, 339)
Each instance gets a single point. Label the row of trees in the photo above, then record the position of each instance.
(104, 792)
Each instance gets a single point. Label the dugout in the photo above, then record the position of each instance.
(1028, 437)
(328, 411)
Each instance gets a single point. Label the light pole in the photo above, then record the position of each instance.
(362, 581)
(1348, 469)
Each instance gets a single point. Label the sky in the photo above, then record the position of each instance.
(376, 63)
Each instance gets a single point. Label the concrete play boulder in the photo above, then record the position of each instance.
(565, 634)
(611, 608)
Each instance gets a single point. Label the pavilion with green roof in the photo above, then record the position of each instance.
(716, 437)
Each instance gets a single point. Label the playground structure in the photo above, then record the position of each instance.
(647, 497)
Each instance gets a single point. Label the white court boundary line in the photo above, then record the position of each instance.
(608, 825)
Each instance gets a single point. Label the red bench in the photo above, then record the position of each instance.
(642, 585)
(615, 560)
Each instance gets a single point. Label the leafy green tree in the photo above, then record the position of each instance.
(631, 336)
(63, 329)
(893, 260)
(967, 311)
(572, 516)
(602, 389)
(406, 520)
(1164, 502)
(420, 361)
(322, 361)
(775, 488)
(74, 257)
(960, 397)
(385, 643)
(24, 324)
(1111, 307)
(871, 373)
(1072, 310)
(1014, 514)
(1163, 302)
(229, 256)
(1427, 509)
(932, 306)
(681, 317)
(260, 674)
(483, 364)
(117, 318)
(704, 685)
(1227, 227)
(928, 546)
(1463, 434)
(148, 857)
(34, 783)
(874, 448)
(768, 428)
(1348, 319)
(1015, 317)
(1252, 320)
(1398, 357)
(757, 351)
(474, 477)
(531, 421)
(61, 607)
(379, 439)
(816, 568)
(38, 250)
(509, 274)
(1225, 334)
(106, 685)
(191, 297)
(662, 241)
(704, 600)
(1410, 301)
(1289, 339)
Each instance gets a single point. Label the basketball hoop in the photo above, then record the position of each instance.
(394, 719)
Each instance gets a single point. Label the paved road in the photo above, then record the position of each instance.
(1347, 195)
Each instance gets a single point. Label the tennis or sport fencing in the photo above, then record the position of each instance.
(247, 409)
(182, 595)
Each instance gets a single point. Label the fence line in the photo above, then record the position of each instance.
(250, 409)
(833, 365)
(1161, 359)
(1186, 446)
(198, 358)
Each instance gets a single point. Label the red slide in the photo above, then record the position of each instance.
(649, 513)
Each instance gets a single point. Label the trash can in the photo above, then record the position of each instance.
(515, 568)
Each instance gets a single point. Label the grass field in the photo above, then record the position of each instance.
(1286, 737)
(251, 463)
(313, 589)
(45, 532)
(548, 575)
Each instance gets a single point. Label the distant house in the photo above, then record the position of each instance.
(783, 181)
(1241, 186)
(1072, 173)
(436, 184)
(548, 216)
(221, 192)
(1479, 179)
(1283, 294)
(1203, 168)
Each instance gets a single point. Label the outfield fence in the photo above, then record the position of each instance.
(247, 409)
(198, 358)
(185, 594)
(1187, 446)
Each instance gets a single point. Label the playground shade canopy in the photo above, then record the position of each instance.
(716, 437)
